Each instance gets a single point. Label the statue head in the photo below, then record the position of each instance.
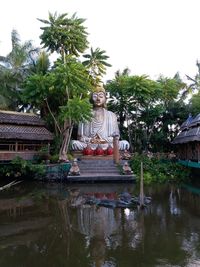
(98, 97)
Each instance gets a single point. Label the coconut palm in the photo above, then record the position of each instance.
(96, 63)
(13, 69)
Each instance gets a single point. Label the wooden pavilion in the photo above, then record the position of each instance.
(23, 135)
(187, 142)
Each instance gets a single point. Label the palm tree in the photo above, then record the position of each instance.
(13, 69)
(96, 63)
(195, 82)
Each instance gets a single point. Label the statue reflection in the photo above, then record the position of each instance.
(174, 197)
(103, 228)
(98, 225)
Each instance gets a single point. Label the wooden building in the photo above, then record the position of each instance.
(187, 142)
(22, 134)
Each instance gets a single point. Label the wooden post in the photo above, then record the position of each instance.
(16, 146)
(141, 187)
(116, 149)
(48, 148)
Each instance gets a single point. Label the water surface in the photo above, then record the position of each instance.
(48, 225)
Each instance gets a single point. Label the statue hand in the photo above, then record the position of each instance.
(85, 139)
(98, 140)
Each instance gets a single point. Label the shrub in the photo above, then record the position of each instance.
(19, 167)
(158, 171)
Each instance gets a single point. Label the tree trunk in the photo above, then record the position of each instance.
(65, 141)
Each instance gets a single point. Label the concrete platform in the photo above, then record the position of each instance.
(101, 178)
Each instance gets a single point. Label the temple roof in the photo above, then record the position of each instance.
(189, 131)
(23, 126)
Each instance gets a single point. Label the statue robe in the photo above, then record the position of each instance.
(105, 128)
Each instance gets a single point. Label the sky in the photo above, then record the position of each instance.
(150, 37)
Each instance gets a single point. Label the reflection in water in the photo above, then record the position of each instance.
(48, 225)
(173, 199)
(101, 227)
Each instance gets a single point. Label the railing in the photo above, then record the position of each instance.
(21, 147)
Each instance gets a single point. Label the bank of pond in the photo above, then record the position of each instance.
(156, 170)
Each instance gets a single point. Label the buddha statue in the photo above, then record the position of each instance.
(102, 127)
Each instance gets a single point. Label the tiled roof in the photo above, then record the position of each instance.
(20, 118)
(189, 131)
(24, 132)
(23, 126)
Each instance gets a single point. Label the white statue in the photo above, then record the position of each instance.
(102, 127)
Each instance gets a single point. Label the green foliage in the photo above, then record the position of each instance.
(130, 96)
(19, 168)
(170, 88)
(158, 170)
(149, 112)
(37, 88)
(41, 63)
(13, 70)
(77, 110)
(71, 78)
(96, 64)
(43, 155)
(195, 104)
(194, 82)
(54, 158)
(63, 34)
(62, 92)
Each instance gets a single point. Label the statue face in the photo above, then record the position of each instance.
(99, 99)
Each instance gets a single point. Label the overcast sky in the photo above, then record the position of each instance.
(148, 36)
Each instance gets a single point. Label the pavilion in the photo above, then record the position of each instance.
(23, 135)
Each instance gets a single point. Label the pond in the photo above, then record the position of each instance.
(45, 224)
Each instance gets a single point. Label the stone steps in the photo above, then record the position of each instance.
(98, 167)
(99, 170)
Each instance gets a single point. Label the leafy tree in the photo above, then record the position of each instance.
(129, 96)
(194, 91)
(174, 110)
(13, 70)
(194, 104)
(195, 82)
(63, 91)
(149, 111)
(64, 35)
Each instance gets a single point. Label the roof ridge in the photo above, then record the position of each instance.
(18, 113)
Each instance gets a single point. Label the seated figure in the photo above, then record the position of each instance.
(101, 129)
(126, 155)
(126, 168)
(74, 170)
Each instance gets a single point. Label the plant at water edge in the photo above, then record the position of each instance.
(158, 171)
